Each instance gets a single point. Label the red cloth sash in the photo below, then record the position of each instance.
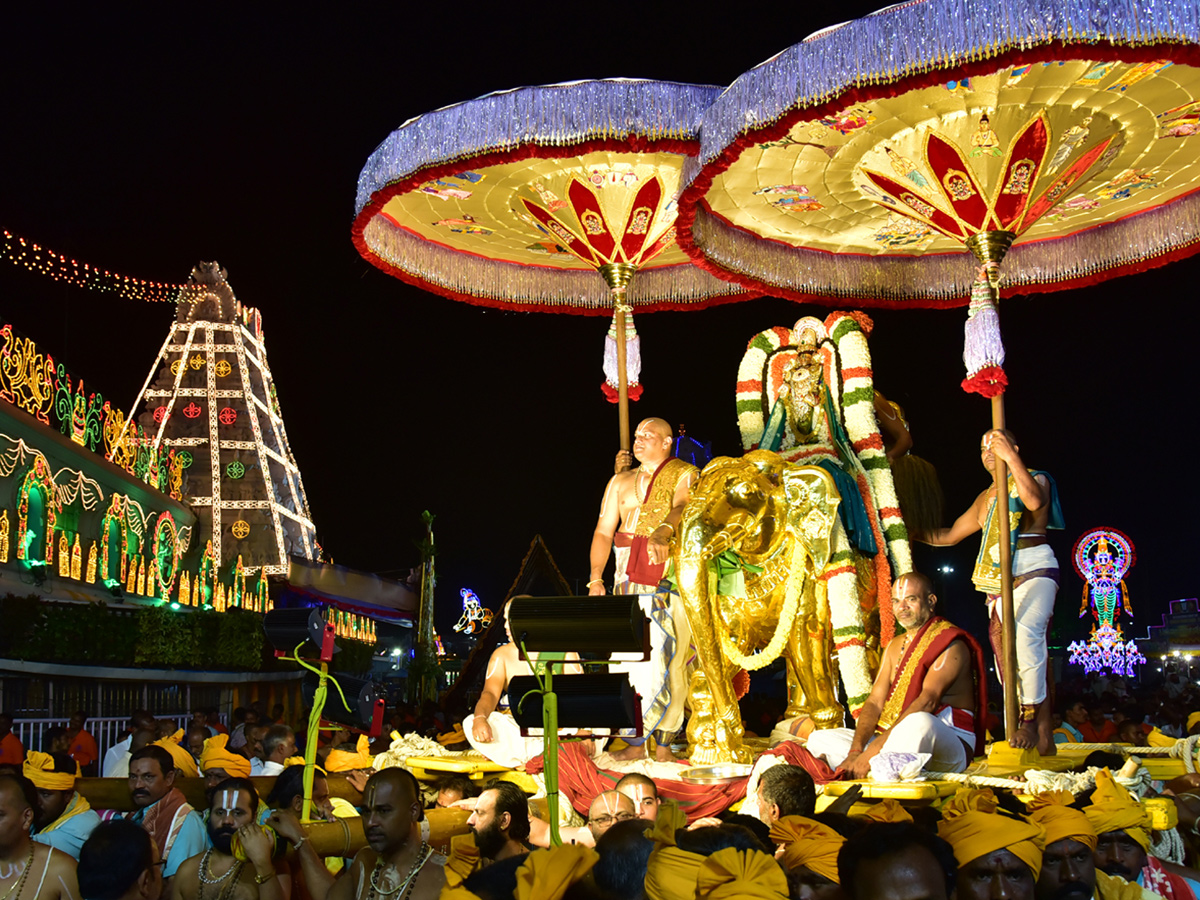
(639, 569)
(1167, 884)
(926, 646)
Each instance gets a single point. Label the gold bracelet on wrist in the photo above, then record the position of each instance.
(667, 525)
(595, 581)
(263, 879)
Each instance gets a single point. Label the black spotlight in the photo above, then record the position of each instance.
(365, 699)
(286, 629)
(604, 700)
(604, 625)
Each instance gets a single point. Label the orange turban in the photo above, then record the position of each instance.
(39, 768)
(183, 760)
(1113, 809)
(731, 873)
(973, 828)
(1052, 810)
(887, 811)
(546, 874)
(808, 844)
(216, 756)
(345, 761)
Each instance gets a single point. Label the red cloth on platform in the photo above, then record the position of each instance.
(580, 780)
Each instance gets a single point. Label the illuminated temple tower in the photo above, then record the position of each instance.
(210, 398)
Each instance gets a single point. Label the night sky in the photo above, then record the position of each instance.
(145, 142)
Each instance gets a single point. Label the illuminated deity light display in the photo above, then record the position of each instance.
(1102, 557)
(475, 618)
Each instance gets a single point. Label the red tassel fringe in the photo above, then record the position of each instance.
(612, 395)
(741, 684)
(989, 381)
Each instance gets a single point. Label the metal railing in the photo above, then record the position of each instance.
(107, 731)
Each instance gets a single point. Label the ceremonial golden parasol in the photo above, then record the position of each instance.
(855, 165)
(517, 199)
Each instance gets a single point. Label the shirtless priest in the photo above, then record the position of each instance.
(492, 731)
(638, 516)
(927, 698)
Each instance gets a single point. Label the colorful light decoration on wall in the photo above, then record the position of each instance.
(351, 625)
(475, 618)
(1102, 557)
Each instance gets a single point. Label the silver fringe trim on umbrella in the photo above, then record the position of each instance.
(918, 36)
(946, 278)
(550, 115)
(515, 286)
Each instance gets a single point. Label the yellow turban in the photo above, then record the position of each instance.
(457, 736)
(463, 860)
(670, 872)
(1113, 809)
(216, 756)
(809, 844)
(670, 819)
(183, 759)
(1052, 810)
(1192, 719)
(39, 768)
(300, 761)
(973, 828)
(731, 873)
(546, 874)
(887, 811)
(344, 760)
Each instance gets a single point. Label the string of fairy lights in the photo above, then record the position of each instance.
(23, 252)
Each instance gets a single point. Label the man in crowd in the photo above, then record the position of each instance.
(11, 751)
(116, 760)
(195, 736)
(500, 821)
(174, 826)
(28, 868)
(998, 855)
(82, 745)
(120, 862)
(607, 809)
(311, 875)
(785, 790)
(395, 860)
(1068, 865)
(278, 745)
(452, 788)
(927, 696)
(1122, 826)
(253, 748)
(642, 790)
(63, 818)
(638, 517)
(897, 861)
(1074, 715)
(1033, 507)
(217, 763)
(232, 811)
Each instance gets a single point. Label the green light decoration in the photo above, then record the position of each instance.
(235, 469)
(185, 459)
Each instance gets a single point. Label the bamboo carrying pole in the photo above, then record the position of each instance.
(1007, 613)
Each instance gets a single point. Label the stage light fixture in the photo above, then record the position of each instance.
(288, 628)
(365, 699)
(604, 700)
(604, 625)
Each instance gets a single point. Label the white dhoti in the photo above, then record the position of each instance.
(1033, 605)
(944, 736)
(507, 747)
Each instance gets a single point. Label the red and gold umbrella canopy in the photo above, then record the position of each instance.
(855, 165)
(518, 199)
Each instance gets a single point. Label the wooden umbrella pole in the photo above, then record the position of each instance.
(1008, 639)
(622, 375)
